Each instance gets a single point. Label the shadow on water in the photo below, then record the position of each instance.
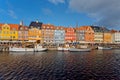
(56, 65)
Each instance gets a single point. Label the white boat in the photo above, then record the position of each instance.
(81, 50)
(39, 48)
(62, 49)
(100, 47)
(59, 48)
(20, 49)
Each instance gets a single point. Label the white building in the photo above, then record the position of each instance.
(116, 37)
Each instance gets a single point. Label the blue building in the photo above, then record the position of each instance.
(59, 35)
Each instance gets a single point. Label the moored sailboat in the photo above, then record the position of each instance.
(20, 49)
(82, 49)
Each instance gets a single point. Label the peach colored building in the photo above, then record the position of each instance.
(23, 33)
(47, 33)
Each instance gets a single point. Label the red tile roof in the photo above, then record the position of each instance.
(13, 26)
(1, 26)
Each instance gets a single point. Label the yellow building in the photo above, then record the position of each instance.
(8, 32)
(98, 34)
(14, 31)
(5, 32)
(107, 37)
(34, 34)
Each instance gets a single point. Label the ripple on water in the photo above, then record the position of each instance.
(53, 65)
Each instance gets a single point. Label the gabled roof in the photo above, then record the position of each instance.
(13, 26)
(25, 28)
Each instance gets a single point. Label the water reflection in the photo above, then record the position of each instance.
(54, 65)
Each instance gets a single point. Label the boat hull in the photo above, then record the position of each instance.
(80, 50)
(20, 49)
(104, 48)
(36, 49)
(62, 49)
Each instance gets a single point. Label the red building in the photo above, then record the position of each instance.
(70, 35)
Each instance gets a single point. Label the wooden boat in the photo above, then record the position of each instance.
(100, 47)
(82, 49)
(20, 49)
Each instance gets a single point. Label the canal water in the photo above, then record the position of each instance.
(54, 65)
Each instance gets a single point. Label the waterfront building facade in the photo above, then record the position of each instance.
(80, 34)
(34, 31)
(85, 34)
(89, 34)
(59, 35)
(1, 31)
(23, 33)
(14, 31)
(116, 37)
(48, 33)
(70, 35)
(98, 34)
(107, 37)
(9, 32)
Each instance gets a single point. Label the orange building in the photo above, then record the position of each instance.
(107, 38)
(47, 33)
(70, 35)
(89, 34)
(85, 34)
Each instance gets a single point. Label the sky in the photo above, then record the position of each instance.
(68, 13)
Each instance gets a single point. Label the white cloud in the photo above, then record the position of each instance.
(56, 1)
(12, 14)
(106, 12)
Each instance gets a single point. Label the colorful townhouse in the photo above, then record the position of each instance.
(23, 33)
(34, 32)
(85, 34)
(9, 32)
(98, 34)
(107, 35)
(116, 37)
(14, 31)
(70, 35)
(48, 33)
(80, 34)
(59, 35)
(1, 31)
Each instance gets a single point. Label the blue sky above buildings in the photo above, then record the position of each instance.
(62, 12)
